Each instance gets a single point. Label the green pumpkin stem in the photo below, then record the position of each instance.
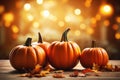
(64, 35)
(93, 43)
(28, 42)
(40, 38)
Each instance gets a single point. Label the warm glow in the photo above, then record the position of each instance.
(15, 29)
(90, 31)
(93, 20)
(52, 17)
(71, 18)
(45, 13)
(19, 4)
(118, 19)
(30, 17)
(77, 11)
(35, 24)
(106, 23)
(98, 17)
(82, 26)
(61, 23)
(67, 18)
(106, 10)
(8, 19)
(39, 1)
(117, 35)
(77, 33)
(27, 6)
(1, 9)
(115, 27)
(88, 3)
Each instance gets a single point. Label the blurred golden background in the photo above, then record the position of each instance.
(88, 19)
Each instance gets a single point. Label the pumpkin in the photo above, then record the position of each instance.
(26, 57)
(94, 55)
(63, 54)
(42, 44)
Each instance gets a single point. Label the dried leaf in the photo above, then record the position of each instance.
(37, 69)
(95, 67)
(117, 68)
(37, 72)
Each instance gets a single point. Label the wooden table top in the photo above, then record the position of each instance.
(8, 73)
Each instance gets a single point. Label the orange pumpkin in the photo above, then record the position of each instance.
(94, 55)
(63, 54)
(42, 44)
(25, 57)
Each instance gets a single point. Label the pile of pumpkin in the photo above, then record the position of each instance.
(62, 55)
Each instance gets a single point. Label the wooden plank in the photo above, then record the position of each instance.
(8, 73)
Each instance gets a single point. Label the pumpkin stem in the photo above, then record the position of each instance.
(64, 35)
(93, 43)
(40, 38)
(28, 42)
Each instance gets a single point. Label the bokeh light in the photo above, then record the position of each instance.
(1, 9)
(118, 19)
(77, 11)
(8, 19)
(106, 10)
(39, 1)
(45, 13)
(117, 35)
(27, 6)
(87, 19)
(15, 29)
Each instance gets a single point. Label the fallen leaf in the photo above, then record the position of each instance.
(37, 69)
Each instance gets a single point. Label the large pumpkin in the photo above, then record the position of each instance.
(63, 54)
(26, 57)
(94, 55)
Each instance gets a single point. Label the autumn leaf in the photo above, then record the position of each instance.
(37, 69)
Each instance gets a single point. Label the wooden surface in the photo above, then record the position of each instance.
(8, 73)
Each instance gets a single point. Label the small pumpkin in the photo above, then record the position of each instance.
(94, 55)
(63, 54)
(42, 44)
(27, 56)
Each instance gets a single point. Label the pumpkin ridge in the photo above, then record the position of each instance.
(36, 55)
(53, 53)
(69, 53)
(25, 60)
(104, 57)
(13, 55)
(96, 57)
(100, 57)
(74, 53)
